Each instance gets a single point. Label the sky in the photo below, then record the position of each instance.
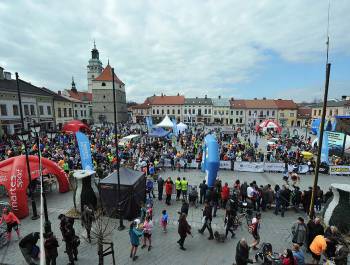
(239, 49)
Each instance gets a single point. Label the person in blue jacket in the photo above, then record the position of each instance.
(135, 235)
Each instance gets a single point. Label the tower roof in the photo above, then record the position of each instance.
(106, 75)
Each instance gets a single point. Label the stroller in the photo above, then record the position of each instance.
(267, 256)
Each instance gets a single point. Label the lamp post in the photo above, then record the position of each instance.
(121, 225)
(24, 136)
(35, 133)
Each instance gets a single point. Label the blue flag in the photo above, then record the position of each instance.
(149, 123)
(174, 127)
(325, 148)
(85, 151)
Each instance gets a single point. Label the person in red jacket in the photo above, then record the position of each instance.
(168, 190)
(11, 221)
(225, 194)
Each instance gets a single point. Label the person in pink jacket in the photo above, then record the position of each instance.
(147, 232)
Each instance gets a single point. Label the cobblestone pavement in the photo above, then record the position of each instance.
(274, 229)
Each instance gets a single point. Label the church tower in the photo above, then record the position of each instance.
(94, 69)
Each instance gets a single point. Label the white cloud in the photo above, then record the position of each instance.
(169, 46)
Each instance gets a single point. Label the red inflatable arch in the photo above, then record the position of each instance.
(14, 176)
(75, 126)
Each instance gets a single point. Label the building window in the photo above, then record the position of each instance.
(205, 111)
(59, 113)
(32, 110)
(3, 110)
(75, 105)
(173, 112)
(185, 111)
(81, 113)
(240, 120)
(250, 113)
(15, 110)
(237, 112)
(241, 112)
(104, 96)
(178, 112)
(167, 111)
(236, 120)
(48, 110)
(154, 111)
(319, 112)
(209, 111)
(315, 112)
(162, 112)
(70, 112)
(273, 113)
(157, 111)
(65, 112)
(84, 113)
(103, 84)
(291, 114)
(267, 113)
(76, 113)
(41, 110)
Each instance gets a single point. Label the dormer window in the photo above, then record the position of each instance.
(103, 84)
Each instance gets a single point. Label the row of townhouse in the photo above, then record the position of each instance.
(226, 111)
(39, 105)
(334, 108)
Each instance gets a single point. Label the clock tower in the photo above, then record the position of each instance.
(94, 68)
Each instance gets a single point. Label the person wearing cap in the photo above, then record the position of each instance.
(11, 221)
(299, 232)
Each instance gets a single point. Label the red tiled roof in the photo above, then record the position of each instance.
(285, 104)
(304, 112)
(260, 104)
(83, 96)
(166, 100)
(237, 104)
(106, 75)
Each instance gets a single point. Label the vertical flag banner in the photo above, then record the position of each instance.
(149, 123)
(325, 148)
(85, 151)
(174, 127)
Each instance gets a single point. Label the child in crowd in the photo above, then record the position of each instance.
(164, 220)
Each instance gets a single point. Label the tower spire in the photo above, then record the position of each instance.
(94, 44)
(73, 84)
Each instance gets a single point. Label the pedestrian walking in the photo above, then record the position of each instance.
(225, 194)
(178, 188)
(29, 249)
(134, 234)
(184, 229)
(164, 221)
(206, 220)
(11, 221)
(87, 217)
(202, 191)
(160, 183)
(184, 188)
(147, 232)
(51, 245)
(168, 191)
(242, 253)
(72, 242)
(254, 228)
(299, 232)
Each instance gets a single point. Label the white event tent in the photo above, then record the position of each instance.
(165, 123)
(181, 127)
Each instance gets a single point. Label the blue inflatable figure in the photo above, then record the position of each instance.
(210, 159)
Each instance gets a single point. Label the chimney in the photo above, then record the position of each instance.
(178, 94)
(7, 75)
(255, 98)
(219, 97)
(231, 99)
(162, 94)
(343, 97)
(196, 97)
(264, 98)
(205, 97)
(1, 73)
(59, 92)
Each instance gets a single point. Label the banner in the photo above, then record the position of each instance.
(335, 143)
(175, 131)
(302, 169)
(249, 166)
(339, 170)
(149, 123)
(274, 167)
(85, 151)
(325, 148)
(225, 164)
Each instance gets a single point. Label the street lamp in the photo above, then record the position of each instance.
(35, 129)
(24, 136)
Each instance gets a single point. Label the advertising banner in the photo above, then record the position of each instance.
(274, 167)
(249, 166)
(225, 164)
(335, 143)
(325, 148)
(85, 151)
(339, 170)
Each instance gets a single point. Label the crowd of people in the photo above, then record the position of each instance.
(149, 155)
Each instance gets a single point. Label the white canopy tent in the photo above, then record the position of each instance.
(181, 127)
(165, 123)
